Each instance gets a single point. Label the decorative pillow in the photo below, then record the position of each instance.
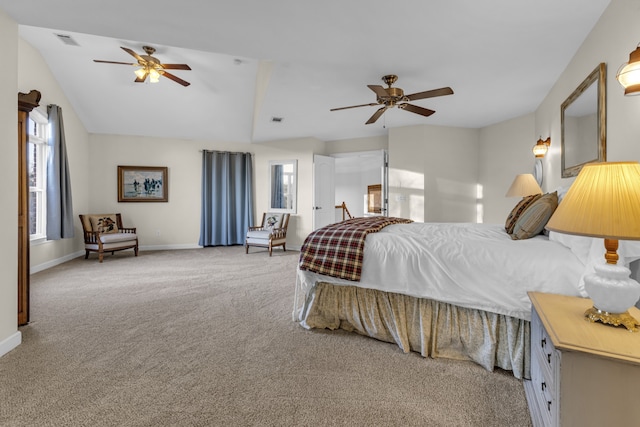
(272, 220)
(104, 223)
(517, 211)
(532, 221)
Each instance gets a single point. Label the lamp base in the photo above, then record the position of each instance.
(616, 319)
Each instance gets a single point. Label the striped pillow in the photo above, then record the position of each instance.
(517, 210)
(532, 221)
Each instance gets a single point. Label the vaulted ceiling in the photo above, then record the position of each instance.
(253, 60)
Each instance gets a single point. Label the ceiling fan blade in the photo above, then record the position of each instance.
(132, 53)
(354, 106)
(430, 93)
(415, 109)
(114, 62)
(376, 115)
(175, 78)
(379, 90)
(175, 66)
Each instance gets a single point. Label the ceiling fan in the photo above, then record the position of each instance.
(390, 97)
(151, 66)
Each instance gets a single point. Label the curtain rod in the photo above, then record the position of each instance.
(217, 151)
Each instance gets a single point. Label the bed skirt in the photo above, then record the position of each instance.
(431, 328)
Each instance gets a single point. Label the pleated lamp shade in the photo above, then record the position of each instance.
(523, 185)
(604, 201)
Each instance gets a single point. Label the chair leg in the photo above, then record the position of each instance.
(100, 256)
(135, 250)
(270, 250)
(86, 255)
(246, 248)
(284, 247)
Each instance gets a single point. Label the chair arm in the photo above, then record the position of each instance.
(278, 233)
(127, 230)
(92, 237)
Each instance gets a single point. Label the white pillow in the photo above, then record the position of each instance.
(590, 251)
(579, 245)
(561, 192)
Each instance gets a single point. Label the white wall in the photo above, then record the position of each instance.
(613, 37)
(34, 74)
(611, 40)
(176, 223)
(505, 151)
(357, 144)
(9, 335)
(433, 173)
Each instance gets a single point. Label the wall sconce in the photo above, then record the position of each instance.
(629, 74)
(541, 147)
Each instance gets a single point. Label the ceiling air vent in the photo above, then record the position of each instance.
(66, 39)
(277, 119)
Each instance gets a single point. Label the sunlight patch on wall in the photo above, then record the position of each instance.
(406, 194)
(479, 204)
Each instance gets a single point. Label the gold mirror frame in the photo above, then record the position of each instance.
(578, 136)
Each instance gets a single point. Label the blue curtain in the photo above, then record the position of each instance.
(277, 192)
(227, 198)
(59, 204)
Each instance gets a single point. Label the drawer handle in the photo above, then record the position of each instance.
(549, 358)
(543, 342)
(543, 386)
(548, 405)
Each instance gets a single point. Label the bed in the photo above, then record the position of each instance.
(446, 290)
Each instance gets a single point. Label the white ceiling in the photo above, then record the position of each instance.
(253, 60)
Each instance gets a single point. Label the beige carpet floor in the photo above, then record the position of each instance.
(204, 337)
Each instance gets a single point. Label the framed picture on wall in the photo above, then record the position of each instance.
(142, 184)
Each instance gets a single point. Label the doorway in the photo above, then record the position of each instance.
(359, 180)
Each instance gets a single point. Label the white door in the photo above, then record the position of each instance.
(324, 193)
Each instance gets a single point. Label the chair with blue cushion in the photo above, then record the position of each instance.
(271, 232)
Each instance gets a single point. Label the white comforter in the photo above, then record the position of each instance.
(470, 265)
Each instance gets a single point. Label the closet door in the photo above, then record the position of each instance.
(26, 103)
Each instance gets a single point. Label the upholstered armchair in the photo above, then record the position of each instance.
(271, 232)
(105, 233)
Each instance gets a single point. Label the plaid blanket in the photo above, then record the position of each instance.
(337, 249)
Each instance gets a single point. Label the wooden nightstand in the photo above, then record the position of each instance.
(582, 373)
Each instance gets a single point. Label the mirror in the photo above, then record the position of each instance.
(283, 177)
(583, 122)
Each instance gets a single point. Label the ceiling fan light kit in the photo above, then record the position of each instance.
(151, 67)
(390, 97)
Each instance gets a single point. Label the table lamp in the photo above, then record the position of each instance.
(523, 185)
(604, 201)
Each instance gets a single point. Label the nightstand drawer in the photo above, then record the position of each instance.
(543, 352)
(542, 390)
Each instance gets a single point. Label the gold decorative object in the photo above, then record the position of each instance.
(616, 319)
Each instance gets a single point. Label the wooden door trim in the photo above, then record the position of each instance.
(26, 103)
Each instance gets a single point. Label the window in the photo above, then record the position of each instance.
(37, 149)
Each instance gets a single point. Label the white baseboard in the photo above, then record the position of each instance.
(37, 268)
(57, 261)
(10, 343)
